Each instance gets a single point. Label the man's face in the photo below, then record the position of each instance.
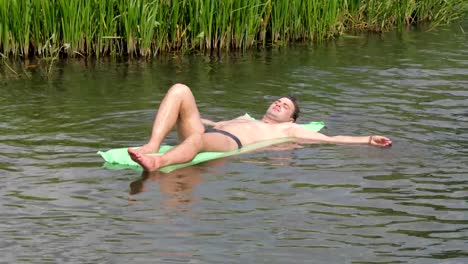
(281, 110)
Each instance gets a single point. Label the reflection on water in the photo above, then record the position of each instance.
(177, 186)
(300, 203)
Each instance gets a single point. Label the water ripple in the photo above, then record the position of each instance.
(311, 203)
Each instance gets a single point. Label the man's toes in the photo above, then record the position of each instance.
(137, 156)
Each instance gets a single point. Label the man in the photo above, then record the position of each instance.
(179, 108)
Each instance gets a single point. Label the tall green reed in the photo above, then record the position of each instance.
(145, 28)
(107, 41)
(15, 21)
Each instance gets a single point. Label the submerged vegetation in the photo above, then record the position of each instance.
(46, 28)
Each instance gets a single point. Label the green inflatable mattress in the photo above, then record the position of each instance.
(119, 159)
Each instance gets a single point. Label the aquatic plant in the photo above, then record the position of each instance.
(149, 27)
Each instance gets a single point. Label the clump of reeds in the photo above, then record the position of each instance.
(148, 27)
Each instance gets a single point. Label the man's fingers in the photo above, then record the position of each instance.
(382, 141)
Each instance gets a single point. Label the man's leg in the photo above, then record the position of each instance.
(178, 107)
(179, 154)
(185, 151)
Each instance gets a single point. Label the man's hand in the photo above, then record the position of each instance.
(380, 141)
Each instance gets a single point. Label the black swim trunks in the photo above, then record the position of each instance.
(236, 139)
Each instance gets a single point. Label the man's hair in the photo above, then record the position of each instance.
(296, 112)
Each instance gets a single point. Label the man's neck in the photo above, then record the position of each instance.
(266, 119)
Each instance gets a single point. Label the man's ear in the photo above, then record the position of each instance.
(291, 120)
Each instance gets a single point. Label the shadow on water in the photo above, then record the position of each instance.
(309, 204)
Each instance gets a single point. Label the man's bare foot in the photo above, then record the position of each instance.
(149, 163)
(147, 149)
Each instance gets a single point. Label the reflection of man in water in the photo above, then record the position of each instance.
(179, 108)
(177, 185)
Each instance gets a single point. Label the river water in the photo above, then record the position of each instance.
(311, 204)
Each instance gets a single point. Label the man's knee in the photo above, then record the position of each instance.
(196, 140)
(179, 89)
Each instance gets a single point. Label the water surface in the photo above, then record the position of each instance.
(315, 204)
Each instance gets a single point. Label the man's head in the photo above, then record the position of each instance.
(284, 109)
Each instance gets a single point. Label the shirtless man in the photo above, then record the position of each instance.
(179, 108)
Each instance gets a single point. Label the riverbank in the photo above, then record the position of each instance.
(46, 28)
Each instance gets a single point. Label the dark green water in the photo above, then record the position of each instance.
(317, 204)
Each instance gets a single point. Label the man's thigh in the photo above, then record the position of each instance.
(189, 119)
(218, 142)
(189, 125)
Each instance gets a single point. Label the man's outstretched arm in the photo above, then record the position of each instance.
(302, 133)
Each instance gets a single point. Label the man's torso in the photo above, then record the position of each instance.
(250, 131)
